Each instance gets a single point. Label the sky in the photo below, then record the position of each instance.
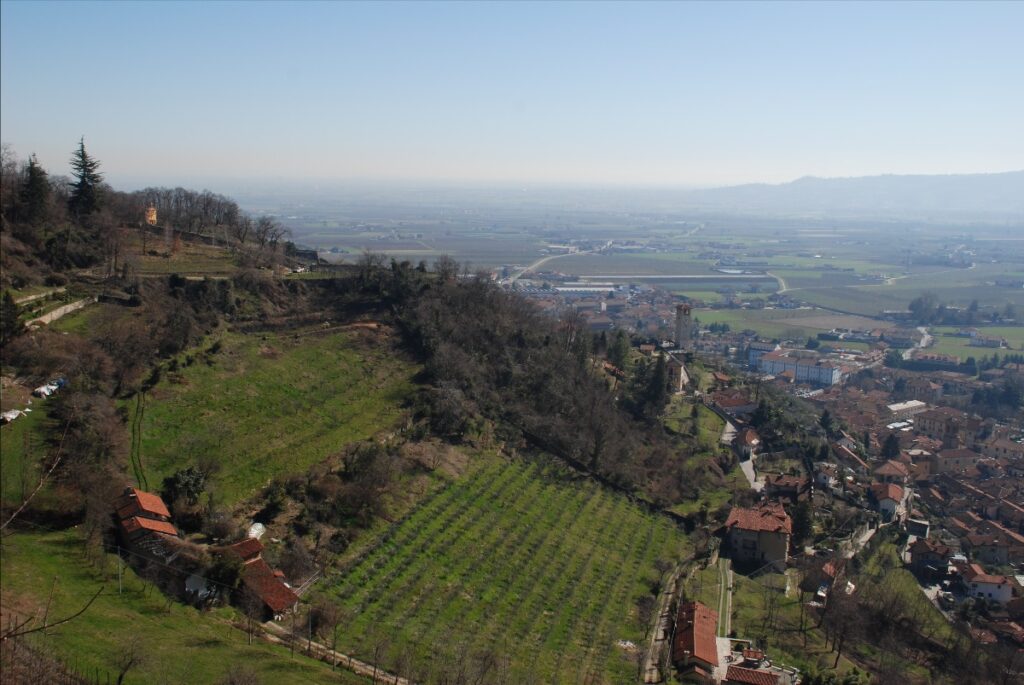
(634, 94)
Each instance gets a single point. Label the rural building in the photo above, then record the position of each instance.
(694, 649)
(144, 524)
(760, 535)
(261, 580)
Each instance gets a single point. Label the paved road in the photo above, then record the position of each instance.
(543, 260)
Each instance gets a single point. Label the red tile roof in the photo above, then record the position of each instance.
(770, 518)
(136, 501)
(883, 491)
(696, 625)
(248, 549)
(136, 523)
(749, 676)
(893, 468)
(976, 574)
(260, 578)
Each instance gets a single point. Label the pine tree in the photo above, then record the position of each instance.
(85, 192)
(35, 192)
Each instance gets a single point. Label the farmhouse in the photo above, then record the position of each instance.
(759, 535)
(694, 649)
(261, 580)
(144, 524)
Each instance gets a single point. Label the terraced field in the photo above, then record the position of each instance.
(271, 405)
(524, 561)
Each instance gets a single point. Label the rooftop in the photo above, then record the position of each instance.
(696, 625)
(769, 518)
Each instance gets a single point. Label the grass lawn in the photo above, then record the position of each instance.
(269, 405)
(22, 446)
(179, 643)
(526, 560)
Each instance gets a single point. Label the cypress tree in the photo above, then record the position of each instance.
(85, 192)
(35, 191)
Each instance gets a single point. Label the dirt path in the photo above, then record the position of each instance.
(38, 296)
(662, 633)
(279, 635)
(724, 597)
(50, 317)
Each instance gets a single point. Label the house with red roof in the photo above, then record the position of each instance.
(143, 517)
(738, 675)
(760, 535)
(695, 649)
(987, 586)
(262, 581)
(930, 559)
(747, 443)
(893, 471)
(888, 498)
(781, 486)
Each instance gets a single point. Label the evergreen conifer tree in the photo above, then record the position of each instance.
(10, 325)
(85, 191)
(35, 191)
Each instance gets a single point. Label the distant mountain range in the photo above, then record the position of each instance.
(989, 195)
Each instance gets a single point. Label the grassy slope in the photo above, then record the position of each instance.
(272, 406)
(522, 559)
(180, 644)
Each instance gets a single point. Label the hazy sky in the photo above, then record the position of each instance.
(632, 93)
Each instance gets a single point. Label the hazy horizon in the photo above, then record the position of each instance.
(658, 94)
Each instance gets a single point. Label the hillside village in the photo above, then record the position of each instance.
(780, 481)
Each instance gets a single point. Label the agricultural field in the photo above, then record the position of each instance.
(155, 257)
(178, 643)
(784, 324)
(945, 343)
(24, 444)
(268, 405)
(526, 561)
